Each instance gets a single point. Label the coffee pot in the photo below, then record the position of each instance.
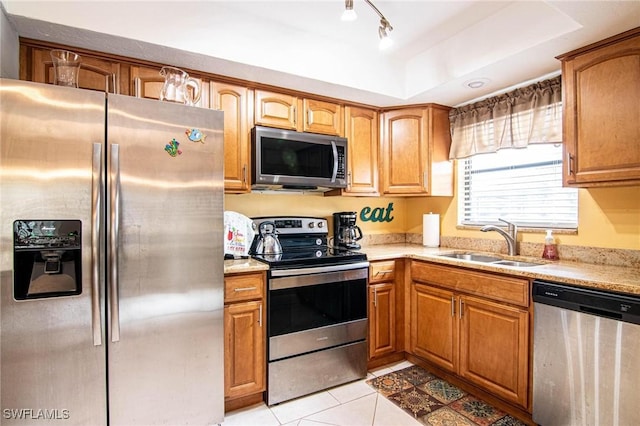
(346, 233)
(179, 87)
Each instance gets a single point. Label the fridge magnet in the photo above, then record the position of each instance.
(172, 148)
(195, 135)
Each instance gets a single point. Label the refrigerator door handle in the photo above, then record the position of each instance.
(113, 244)
(97, 184)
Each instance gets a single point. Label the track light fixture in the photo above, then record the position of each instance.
(349, 14)
(385, 27)
(383, 33)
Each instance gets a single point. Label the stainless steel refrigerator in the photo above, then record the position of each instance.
(111, 264)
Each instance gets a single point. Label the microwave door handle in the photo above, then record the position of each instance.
(335, 161)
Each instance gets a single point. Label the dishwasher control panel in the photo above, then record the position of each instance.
(616, 306)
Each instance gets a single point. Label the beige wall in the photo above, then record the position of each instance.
(607, 217)
(257, 204)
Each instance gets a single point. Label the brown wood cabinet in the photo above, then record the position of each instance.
(415, 152)
(95, 73)
(601, 93)
(234, 101)
(382, 308)
(494, 347)
(276, 110)
(434, 327)
(361, 130)
(322, 117)
(401, 152)
(147, 82)
(245, 337)
(475, 336)
(294, 113)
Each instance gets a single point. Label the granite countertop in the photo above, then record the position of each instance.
(603, 277)
(237, 266)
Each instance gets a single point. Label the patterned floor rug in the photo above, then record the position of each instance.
(433, 401)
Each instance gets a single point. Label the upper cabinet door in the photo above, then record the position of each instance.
(95, 73)
(147, 83)
(361, 130)
(405, 152)
(276, 110)
(233, 100)
(601, 97)
(303, 115)
(322, 117)
(414, 152)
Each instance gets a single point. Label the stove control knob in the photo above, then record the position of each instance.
(318, 242)
(319, 253)
(320, 224)
(312, 225)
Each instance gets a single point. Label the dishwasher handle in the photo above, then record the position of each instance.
(617, 306)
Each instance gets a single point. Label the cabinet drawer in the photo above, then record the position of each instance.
(243, 287)
(382, 271)
(496, 287)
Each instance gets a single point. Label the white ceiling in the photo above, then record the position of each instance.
(438, 47)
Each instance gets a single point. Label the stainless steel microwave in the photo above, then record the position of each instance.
(285, 159)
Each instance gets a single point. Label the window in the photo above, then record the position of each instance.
(523, 186)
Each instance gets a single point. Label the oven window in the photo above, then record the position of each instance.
(304, 308)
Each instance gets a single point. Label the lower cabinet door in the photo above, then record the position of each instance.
(382, 324)
(494, 348)
(244, 351)
(434, 328)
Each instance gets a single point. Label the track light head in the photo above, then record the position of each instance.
(385, 27)
(349, 14)
(383, 32)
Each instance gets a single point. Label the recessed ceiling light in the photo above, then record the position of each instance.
(476, 83)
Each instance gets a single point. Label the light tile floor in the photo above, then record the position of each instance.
(353, 404)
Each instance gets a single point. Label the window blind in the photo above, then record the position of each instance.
(523, 186)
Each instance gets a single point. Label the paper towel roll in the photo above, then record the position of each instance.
(431, 230)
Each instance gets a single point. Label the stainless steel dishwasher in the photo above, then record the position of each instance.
(586, 356)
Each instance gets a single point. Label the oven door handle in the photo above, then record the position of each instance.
(324, 277)
(334, 150)
(318, 269)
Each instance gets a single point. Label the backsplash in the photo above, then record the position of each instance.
(592, 255)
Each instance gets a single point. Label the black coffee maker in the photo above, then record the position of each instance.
(346, 233)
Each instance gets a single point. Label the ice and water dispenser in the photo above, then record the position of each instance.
(47, 258)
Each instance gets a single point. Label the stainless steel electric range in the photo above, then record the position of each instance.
(316, 310)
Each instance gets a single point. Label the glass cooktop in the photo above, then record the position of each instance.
(311, 257)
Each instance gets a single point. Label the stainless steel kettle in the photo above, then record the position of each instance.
(268, 242)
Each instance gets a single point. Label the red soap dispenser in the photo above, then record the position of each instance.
(550, 248)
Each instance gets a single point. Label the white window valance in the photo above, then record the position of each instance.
(531, 114)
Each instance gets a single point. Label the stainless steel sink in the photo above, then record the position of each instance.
(494, 260)
(472, 256)
(516, 263)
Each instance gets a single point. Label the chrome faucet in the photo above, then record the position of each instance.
(511, 234)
